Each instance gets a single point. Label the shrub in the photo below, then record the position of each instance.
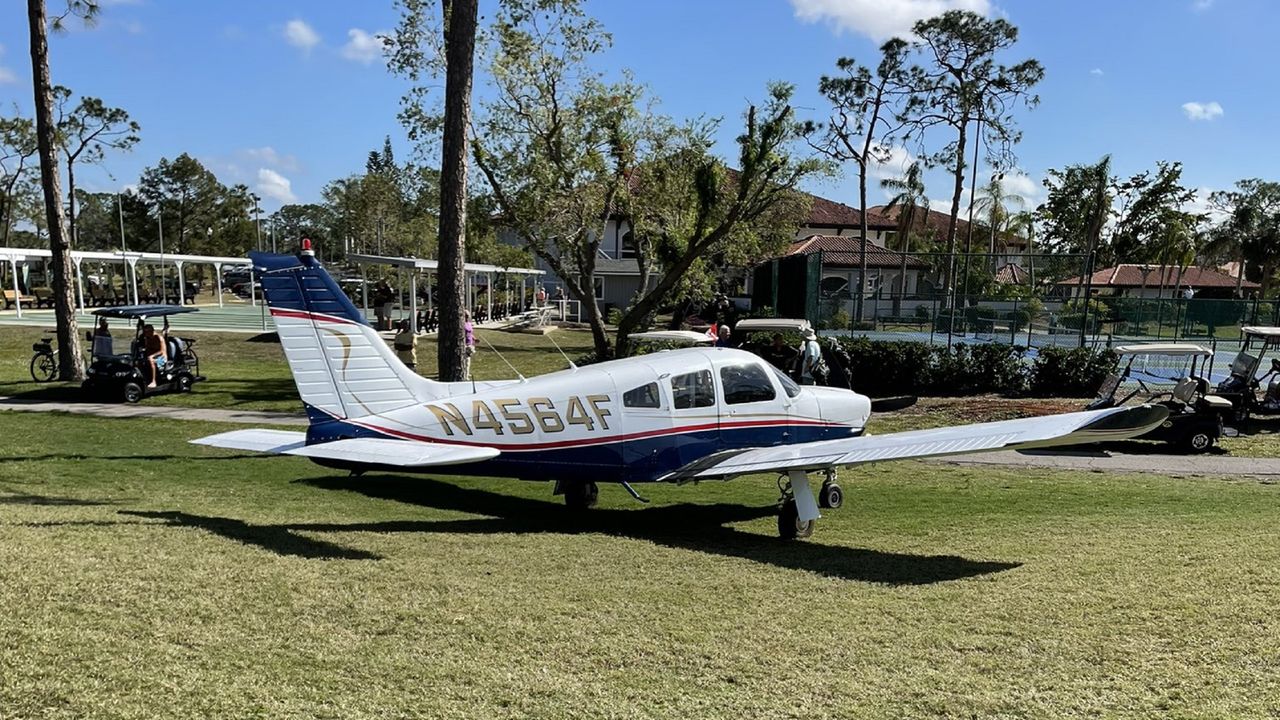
(615, 316)
(922, 312)
(839, 320)
(1070, 372)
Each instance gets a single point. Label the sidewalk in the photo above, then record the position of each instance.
(125, 410)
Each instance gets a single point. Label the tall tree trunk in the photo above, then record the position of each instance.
(460, 41)
(961, 145)
(70, 361)
(72, 238)
(859, 306)
(1240, 272)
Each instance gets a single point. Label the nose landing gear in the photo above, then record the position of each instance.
(831, 496)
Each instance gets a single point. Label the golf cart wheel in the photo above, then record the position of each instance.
(831, 496)
(132, 392)
(43, 368)
(1198, 441)
(790, 527)
(184, 382)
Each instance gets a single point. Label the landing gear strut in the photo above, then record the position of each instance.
(578, 495)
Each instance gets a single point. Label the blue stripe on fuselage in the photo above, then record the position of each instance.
(637, 460)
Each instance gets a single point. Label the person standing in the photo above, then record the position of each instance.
(406, 345)
(469, 331)
(811, 365)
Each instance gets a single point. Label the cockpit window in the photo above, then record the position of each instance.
(645, 396)
(746, 384)
(693, 390)
(788, 385)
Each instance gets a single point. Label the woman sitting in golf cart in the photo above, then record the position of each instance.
(156, 350)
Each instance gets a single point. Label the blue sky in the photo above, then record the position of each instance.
(285, 96)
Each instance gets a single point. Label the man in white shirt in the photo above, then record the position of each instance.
(810, 359)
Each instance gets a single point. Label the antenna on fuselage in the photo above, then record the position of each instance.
(500, 355)
(562, 354)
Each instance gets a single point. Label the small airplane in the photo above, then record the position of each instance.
(690, 414)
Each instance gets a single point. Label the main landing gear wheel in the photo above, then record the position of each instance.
(831, 496)
(790, 526)
(580, 495)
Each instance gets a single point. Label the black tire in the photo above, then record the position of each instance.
(1198, 441)
(831, 496)
(44, 368)
(581, 495)
(184, 382)
(789, 525)
(131, 392)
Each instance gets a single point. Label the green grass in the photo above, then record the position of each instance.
(245, 374)
(143, 577)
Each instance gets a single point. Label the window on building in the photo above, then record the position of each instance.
(746, 383)
(693, 390)
(599, 287)
(645, 396)
(628, 245)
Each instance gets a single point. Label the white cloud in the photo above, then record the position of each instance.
(1201, 5)
(362, 46)
(880, 19)
(268, 156)
(1023, 185)
(1096, 71)
(1202, 111)
(1200, 205)
(7, 76)
(275, 186)
(301, 35)
(894, 166)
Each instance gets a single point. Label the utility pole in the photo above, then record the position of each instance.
(257, 217)
(120, 210)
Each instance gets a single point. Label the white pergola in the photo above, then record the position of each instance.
(418, 265)
(130, 260)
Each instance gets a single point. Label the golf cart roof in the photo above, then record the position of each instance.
(772, 325)
(688, 337)
(138, 312)
(1262, 331)
(1177, 349)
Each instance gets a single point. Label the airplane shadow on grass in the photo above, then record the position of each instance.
(700, 528)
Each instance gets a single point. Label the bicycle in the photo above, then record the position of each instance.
(44, 366)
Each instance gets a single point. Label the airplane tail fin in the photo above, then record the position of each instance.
(342, 368)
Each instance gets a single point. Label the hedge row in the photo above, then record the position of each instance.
(884, 368)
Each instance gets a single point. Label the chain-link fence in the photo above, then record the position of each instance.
(1032, 300)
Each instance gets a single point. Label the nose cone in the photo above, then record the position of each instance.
(842, 406)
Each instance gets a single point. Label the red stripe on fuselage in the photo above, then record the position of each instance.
(594, 441)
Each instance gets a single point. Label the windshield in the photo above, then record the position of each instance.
(788, 385)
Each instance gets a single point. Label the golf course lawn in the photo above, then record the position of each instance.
(143, 577)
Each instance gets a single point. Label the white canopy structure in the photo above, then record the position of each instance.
(418, 265)
(15, 257)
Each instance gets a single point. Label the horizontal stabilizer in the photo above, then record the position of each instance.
(365, 451)
(1048, 431)
(401, 453)
(263, 441)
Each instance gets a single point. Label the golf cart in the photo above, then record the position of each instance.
(1241, 388)
(1172, 375)
(126, 375)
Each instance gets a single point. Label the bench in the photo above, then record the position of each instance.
(11, 297)
(44, 296)
(907, 320)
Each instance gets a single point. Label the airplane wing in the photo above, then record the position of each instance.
(373, 451)
(1052, 430)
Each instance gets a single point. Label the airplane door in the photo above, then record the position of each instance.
(695, 413)
(754, 412)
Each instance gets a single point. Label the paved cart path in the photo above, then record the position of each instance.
(124, 410)
(1069, 459)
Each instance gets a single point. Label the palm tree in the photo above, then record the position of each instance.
(908, 200)
(1025, 222)
(995, 204)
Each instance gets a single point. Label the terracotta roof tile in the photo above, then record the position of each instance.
(1131, 275)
